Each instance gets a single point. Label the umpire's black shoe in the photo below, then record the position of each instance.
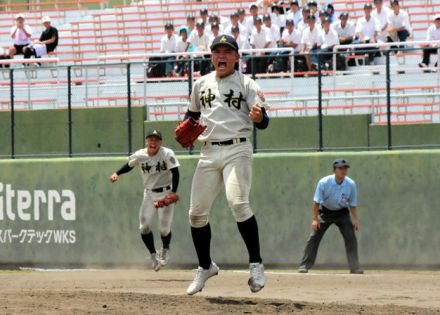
(357, 272)
(303, 269)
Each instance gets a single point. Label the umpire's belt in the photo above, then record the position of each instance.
(161, 189)
(228, 142)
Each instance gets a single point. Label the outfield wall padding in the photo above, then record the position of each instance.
(397, 208)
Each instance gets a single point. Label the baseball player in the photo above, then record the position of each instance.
(160, 172)
(335, 198)
(230, 105)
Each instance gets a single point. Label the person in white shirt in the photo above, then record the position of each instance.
(250, 20)
(345, 29)
(243, 43)
(295, 13)
(432, 34)
(260, 38)
(399, 28)
(182, 66)
(274, 31)
(21, 34)
(329, 39)
(190, 23)
(302, 25)
(291, 38)
(310, 42)
(168, 44)
(313, 5)
(367, 31)
(215, 31)
(235, 21)
(381, 13)
(277, 18)
(200, 42)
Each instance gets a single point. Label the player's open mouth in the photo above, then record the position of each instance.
(222, 65)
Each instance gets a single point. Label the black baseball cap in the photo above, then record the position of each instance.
(368, 6)
(241, 11)
(200, 24)
(154, 133)
(343, 15)
(394, 2)
(225, 40)
(169, 26)
(215, 25)
(290, 22)
(340, 163)
(203, 11)
(312, 3)
(235, 14)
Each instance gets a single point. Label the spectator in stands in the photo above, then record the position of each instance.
(322, 17)
(242, 41)
(200, 41)
(242, 16)
(190, 23)
(399, 28)
(329, 39)
(235, 21)
(345, 29)
(330, 10)
(21, 34)
(204, 16)
(367, 30)
(277, 18)
(182, 65)
(260, 38)
(295, 13)
(275, 37)
(250, 20)
(168, 44)
(215, 31)
(303, 23)
(381, 13)
(432, 34)
(313, 5)
(291, 38)
(47, 43)
(211, 20)
(310, 43)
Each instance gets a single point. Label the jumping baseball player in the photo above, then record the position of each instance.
(335, 198)
(230, 105)
(160, 172)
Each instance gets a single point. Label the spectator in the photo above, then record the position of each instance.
(211, 20)
(399, 28)
(310, 43)
(303, 23)
(260, 38)
(277, 18)
(200, 41)
(21, 34)
(291, 38)
(381, 13)
(274, 31)
(235, 21)
(242, 41)
(329, 39)
(250, 20)
(432, 34)
(367, 30)
(204, 16)
(47, 43)
(322, 17)
(190, 23)
(242, 16)
(215, 31)
(345, 29)
(168, 44)
(295, 13)
(313, 5)
(182, 66)
(330, 10)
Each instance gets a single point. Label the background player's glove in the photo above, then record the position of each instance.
(167, 200)
(188, 131)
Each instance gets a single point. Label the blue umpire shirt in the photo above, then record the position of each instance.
(334, 196)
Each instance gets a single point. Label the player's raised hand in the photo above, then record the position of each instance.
(256, 114)
(114, 177)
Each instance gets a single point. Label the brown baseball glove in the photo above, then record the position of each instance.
(167, 200)
(188, 131)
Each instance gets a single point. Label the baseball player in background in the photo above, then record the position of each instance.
(230, 105)
(335, 198)
(160, 172)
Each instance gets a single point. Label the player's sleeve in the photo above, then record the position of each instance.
(194, 105)
(352, 202)
(133, 160)
(318, 197)
(171, 160)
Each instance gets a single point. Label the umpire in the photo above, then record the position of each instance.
(335, 198)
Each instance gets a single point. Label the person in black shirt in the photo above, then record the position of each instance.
(47, 43)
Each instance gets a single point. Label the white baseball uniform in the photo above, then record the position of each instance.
(157, 179)
(224, 104)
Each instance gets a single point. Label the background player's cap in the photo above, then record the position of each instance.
(340, 163)
(154, 133)
(226, 40)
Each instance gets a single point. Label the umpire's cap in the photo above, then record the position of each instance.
(340, 163)
(154, 133)
(225, 40)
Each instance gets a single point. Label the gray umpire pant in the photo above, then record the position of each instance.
(343, 221)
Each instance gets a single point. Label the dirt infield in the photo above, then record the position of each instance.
(286, 292)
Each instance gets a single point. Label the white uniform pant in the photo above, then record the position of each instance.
(148, 210)
(230, 165)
